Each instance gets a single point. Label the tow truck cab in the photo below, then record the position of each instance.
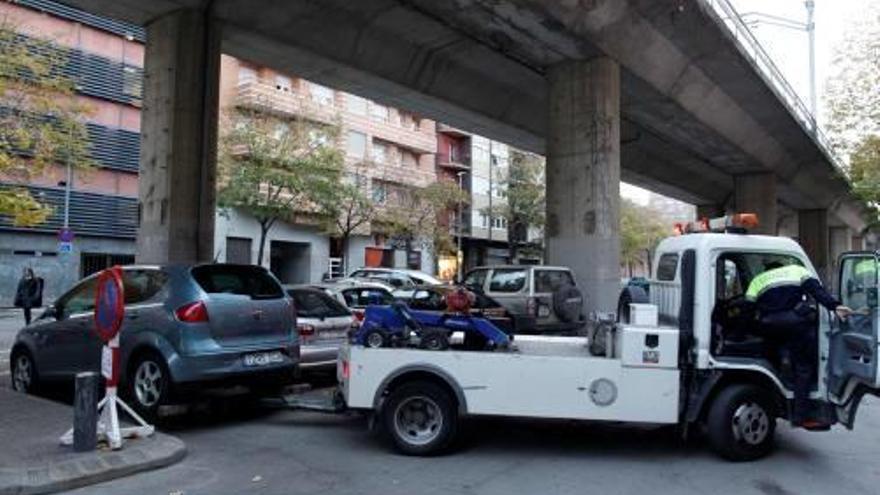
(698, 282)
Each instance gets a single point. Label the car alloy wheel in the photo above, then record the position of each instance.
(22, 373)
(148, 383)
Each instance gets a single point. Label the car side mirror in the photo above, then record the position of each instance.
(50, 312)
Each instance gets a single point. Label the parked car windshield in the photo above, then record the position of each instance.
(237, 279)
(315, 304)
(359, 298)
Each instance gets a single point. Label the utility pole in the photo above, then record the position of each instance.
(491, 211)
(811, 34)
(67, 185)
(459, 255)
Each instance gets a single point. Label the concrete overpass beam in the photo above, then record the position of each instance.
(857, 242)
(176, 198)
(840, 241)
(813, 236)
(756, 193)
(583, 176)
(709, 211)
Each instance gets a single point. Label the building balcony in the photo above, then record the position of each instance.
(452, 131)
(262, 95)
(415, 138)
(455, 162)
(397, 173)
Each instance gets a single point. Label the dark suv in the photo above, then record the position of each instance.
(184, 326)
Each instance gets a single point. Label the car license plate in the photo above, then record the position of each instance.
(263, 358)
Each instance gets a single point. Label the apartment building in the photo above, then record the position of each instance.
(390, 148)
(481, 166)
(105, 58)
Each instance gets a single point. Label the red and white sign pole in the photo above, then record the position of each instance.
(109, 314)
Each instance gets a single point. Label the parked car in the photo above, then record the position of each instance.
(403, 280)
(323, 324)
(433, 298)
(185, 327)
(545, 298)
(358, 294)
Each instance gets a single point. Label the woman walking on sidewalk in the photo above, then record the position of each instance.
(29, 293)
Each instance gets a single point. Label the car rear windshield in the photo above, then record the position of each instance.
(507, 280)
(359, 298)
(552, 280)
(241, 280)
(315, 304)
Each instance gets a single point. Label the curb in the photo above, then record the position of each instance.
(95, 467)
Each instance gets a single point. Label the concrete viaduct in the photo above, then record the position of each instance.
(655, 92)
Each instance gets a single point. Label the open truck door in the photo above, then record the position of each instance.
(854, 345)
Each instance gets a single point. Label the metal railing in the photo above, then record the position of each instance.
(752, 48)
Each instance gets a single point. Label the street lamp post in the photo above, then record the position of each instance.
(459, 256)
(752, 19)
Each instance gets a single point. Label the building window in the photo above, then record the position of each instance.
(356, 145)
(379, 112)
(484, 220)
(380, 192)
(356, 105)
(246, 75)
(95, 262)
(499, 191)
(381, 153)
(321, 94)
(499, 222)
(283, 83)
(318, 138)
(281, 130)
(409, 159)
(132, 82)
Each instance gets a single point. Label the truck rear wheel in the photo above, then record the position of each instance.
(420, 418)
(741, 423)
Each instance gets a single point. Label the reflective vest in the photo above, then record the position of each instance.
(791, 275)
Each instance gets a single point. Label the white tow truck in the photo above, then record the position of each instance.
(690, 358)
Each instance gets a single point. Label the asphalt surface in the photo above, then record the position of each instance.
(10, 322)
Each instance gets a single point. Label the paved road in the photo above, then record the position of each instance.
(251, 451)
(10, 322)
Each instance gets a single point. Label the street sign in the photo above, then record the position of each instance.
(65, 247)
(109, 303)
(65, 234)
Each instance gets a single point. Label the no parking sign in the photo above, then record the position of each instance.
(109, 313)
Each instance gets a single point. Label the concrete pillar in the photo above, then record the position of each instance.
(179, 139)
(709, 211)
(756, 193)
(839, 242)
(583, 177)
(813, 236)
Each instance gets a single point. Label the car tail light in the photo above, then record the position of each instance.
(532, 306)
(346, 370)
(194, 312)
(306, 330)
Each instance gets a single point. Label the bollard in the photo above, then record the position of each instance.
(85, 412)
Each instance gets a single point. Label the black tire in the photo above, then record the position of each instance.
(420, 405)
(145, 390)
(31, 384)
(375, 338)
(568, 303)
(434, 340)
(741, 423)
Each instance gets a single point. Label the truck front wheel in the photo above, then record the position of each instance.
(421, 418)
(741, 423)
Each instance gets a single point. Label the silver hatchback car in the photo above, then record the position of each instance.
(185, 327)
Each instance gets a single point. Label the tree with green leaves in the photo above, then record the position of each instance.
(414, 215)
(864, 170)
(349, 210)
(853, 92)
(42, 123)
(277, 168)
(525, 204)
(641, 229)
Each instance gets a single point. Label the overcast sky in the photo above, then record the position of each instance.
(789, 48)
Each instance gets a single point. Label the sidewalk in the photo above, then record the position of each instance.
(32, 460)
